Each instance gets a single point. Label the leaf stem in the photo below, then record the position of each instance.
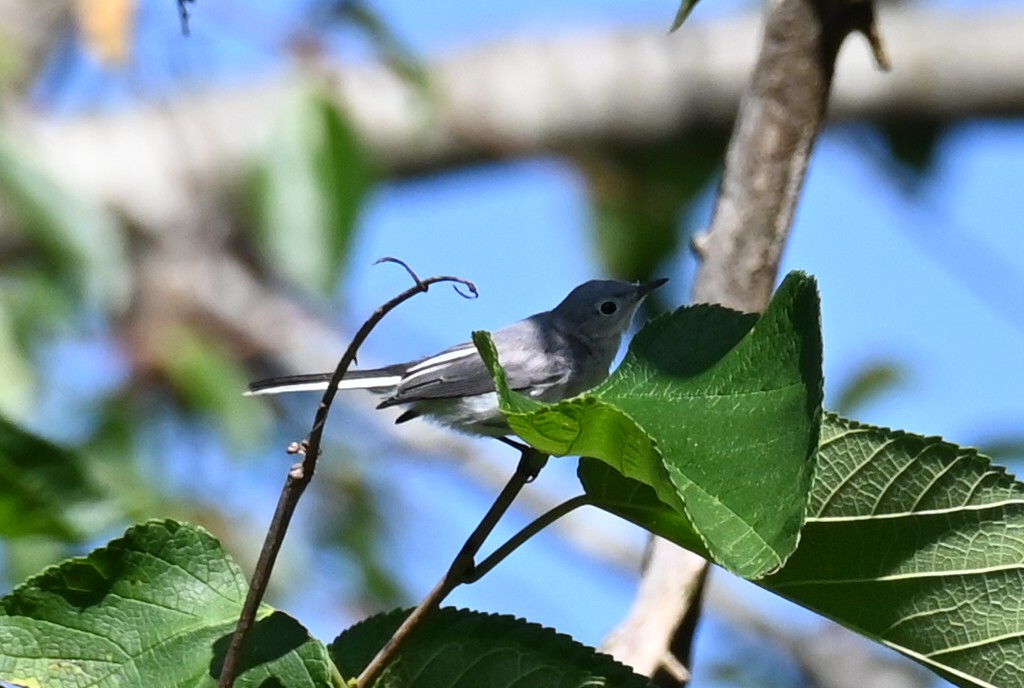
(462, 567)
(531, 529)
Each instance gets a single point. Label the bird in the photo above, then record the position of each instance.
(549, 356)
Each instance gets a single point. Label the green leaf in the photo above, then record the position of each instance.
(919, 544)
(390, 48)
(869, 383)
(309, 190)
(36, 303)
(584, 426)
(632, 500)
(685, 7)
(16, 370)
(457, 648)
(208, 379)
(716, 411)
(914, 145)
(639, 196)
(358, 527)
(81, 243)
(153, 608)
(1007, 447)
(44, 489)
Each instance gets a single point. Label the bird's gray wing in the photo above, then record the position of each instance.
(460, 372)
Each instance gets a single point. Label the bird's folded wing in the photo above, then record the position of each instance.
(460, 372)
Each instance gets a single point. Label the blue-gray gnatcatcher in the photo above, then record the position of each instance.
(549, 356)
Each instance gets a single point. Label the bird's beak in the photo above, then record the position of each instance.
(646, 288)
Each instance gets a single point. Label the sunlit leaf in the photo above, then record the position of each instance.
(715, 411)
(153, 608)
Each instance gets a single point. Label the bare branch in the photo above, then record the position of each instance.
(301, 473)
(522, 97)
(780, 115)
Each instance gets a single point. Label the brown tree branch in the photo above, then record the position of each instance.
(301, 473)
(780, 115)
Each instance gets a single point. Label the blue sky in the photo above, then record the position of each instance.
(931, 280)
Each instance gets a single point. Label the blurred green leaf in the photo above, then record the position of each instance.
(913, 145)
(685, 7)
(83, 245)
(33, 306)
(391, 50)
(869, 383)
(916, 543)
(639, 197)
(638, 503)
(45, 490)
(16, 371)
(716, 411)
(153, 608)
(309, 190)
(353, 519)
(1009, 447)
(27, 556)
(37, 304)
(112, 453)
(461, 648)
(210, 380)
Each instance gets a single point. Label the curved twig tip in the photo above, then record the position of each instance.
(473, 291)
(399, 261)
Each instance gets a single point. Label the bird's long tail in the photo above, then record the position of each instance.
(379, 379)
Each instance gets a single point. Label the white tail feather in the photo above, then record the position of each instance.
(372, 383)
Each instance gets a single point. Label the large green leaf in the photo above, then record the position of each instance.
(153, 608)
(309, 191)
(636, 502)
(458, 648)
(919, 544)
(44, 489)
(716, 411)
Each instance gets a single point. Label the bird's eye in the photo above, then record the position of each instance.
(609, 307)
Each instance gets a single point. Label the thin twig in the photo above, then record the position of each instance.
(183, 15)
(302, 473)
(532, 528)
(462, 566)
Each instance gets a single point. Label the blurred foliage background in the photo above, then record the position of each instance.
(179, 215)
